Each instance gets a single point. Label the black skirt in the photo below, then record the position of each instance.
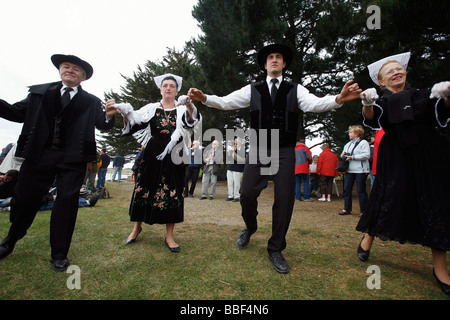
(158, 193)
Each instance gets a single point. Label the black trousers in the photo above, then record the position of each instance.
(191, 174)
(35, 180)
(253, 182)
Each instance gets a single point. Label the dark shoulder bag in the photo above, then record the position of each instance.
(343, 163)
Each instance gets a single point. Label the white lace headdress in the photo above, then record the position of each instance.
(374, 68)
(159, 79)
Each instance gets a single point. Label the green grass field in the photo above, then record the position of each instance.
(321, 253)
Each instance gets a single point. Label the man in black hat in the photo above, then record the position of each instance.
(274, 104)
(57, 140)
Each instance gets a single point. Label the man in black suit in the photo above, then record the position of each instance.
(274, 105)
(57, 140)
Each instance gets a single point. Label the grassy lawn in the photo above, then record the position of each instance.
(321, 253)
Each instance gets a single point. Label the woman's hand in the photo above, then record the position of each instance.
(369, 97)
(122, 108)
(441, 90)
(184, 100)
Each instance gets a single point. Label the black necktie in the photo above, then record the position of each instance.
(66, 96)
(273, 91)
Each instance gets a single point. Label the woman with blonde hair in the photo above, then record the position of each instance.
(402, 206)
(357, 152)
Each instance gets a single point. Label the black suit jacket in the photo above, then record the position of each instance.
(83, 114)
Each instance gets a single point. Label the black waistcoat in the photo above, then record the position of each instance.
(57, 117)
(282, 115)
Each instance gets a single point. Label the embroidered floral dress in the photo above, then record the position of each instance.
(158, 193)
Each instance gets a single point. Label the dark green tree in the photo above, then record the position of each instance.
(332, 44)
(317, 31)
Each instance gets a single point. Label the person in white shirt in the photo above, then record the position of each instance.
(274, 103)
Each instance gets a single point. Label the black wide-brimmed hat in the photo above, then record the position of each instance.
(57, 59)
(271, 48)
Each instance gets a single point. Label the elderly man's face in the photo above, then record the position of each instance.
(71, 74)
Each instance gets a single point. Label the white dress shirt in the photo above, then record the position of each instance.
(239, 99)
(71, 93)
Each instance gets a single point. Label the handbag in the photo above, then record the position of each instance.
(343, 163)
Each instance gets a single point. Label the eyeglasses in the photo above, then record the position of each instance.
(392, 71)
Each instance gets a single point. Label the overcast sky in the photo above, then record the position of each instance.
(113, 36)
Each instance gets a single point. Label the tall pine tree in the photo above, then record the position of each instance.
(331, 41)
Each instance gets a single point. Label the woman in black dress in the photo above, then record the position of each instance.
(158, 193)
(409, 201)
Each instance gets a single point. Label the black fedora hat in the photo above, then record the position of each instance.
(271, 48)
(57, 59)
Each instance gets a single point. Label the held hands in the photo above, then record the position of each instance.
(440, 90)
(369, 96)
(186, 100)
(349, 92)
(196, 94)
(110, 109)
(183, 100)
(122, 108)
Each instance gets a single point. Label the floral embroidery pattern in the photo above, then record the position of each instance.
(164, 198)
(165, 126)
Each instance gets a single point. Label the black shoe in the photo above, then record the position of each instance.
(202, 198)
(279, 263)
(235, 200)
(210, 198)
(229, 199)
(344, 212)
(5, 249)
(130, 241)
(93, 200)
(176, 249)
(444, 287)
(244, 238)
(363, 255)
(60, 264)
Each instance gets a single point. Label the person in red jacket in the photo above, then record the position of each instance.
(326, 170)
(303, 159)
